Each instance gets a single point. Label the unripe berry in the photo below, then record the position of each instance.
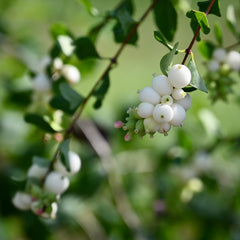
(233, 60)
(22, 201)
(71, 73)
(74, 163)
(150, 125)
(179, 115)
(164, 128)
(36, 171)
(161, 85)
(56, 183)
(213, 65)
(179, 76)
(219, 54)
(41, 83)
(178, 93)
(167, 99)
(145, 109)
(149, 95)
(37, 208)
(185, 102)
(162, 113)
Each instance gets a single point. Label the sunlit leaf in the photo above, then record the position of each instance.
(160, 38)
(218, 33)
(90, 8)
(206, 48)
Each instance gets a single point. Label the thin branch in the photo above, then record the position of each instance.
(189, 49)
(233, 46)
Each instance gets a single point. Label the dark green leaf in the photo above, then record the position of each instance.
(85, 48)
(196, 80)
(42, 162)
(20, 98)
(101, 91)
(126, 4)
(189, 89)
(166, 61)
(88, 5)
(58, 102)
(160, 38)
(38, 121)
(206, 48)
(218, 33)
(59, 29)
(165, 17)
(215, 9)
(64, 156)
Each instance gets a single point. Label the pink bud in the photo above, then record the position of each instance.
(39, 212)
(118, 124)
(127, 137)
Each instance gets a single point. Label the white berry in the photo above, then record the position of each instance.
(57, 64)
(22, 201)
(167, 99)
(74, 164)
(213, 65)
(220, 54)
(41, 83)
(36, 171)
(66, 44)
(185, 102)
(56, 183)
(162, 113)
(161, 85)
(178, 93)
(179, 76)
(145, 109)
(71, 73)
(233, 60)
(179, 115)
(164, 128)
(149, 95)
(150, 125)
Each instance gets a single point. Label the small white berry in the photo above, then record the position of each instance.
(41, 83)
(164, 128)
(66, 44)
(162, 113)
(56, 183)
(167, 99)
(179, 76)
(57, 64)
(233, 60)
(71, 73)
(161, 85)
(150, 125)
(145, 109)
(36, 171)
(149, 95)
(22, 201)
(185, 102)
(219, 54)
(178, 94)
(74, 163)
(213, 65)
(179, 115)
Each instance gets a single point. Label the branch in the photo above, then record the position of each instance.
(189, 49)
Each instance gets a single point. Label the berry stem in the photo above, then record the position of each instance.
(189, 49)
(232, 46)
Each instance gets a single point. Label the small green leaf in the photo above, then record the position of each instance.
(196, 80)
(160, 38)
(42, 162)
(166, 61)
(101, 91)
(38, 121)
(88, 5)
(215, 9)
(206, 49)
(231, 20)
(64, 153)
(165, 17)
(85, 48)
(59, 29)
(218, 33)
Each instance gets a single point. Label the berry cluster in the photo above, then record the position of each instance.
(163, 105)
(45, 188)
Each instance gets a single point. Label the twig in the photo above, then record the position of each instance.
(232, 46)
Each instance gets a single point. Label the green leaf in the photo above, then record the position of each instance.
(206, 49)
(64, 153)
(165, 17)
(85, 48)
(38, 121)
(59, 29)
(88, 5)
(101, 91)
(42, 162)
(218, 33)
(198, 18)
(215, 9)
(196, 80)
(166, 61)
(160, 38)
(231, 20)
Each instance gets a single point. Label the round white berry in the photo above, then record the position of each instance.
(179, 76)
(150, 125)
(162, 113)
(233, 60)
(179, 115)
(71, 73)
(149, 95)
(74, 164)
(185, 102)
(41, 83)
(57, 64)
(164, 128)
(22, 201)
(36, 171)
(178, 93)
(219, 54)
(167, 99)
(145, 109)
(56, 183)
(213, 65)
(161, 85)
